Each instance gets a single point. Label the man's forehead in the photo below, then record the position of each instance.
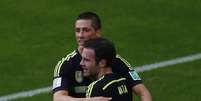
(83, 22)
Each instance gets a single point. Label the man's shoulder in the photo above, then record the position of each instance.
(71, 55)
(120, 60)
(69, 58)
(120, 65)
(110, 80)
(107, 85)
(66, 63)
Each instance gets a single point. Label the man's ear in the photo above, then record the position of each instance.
(102, 63)
(98, 33)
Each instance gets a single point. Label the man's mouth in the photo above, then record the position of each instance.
(81, 41)
(85, 70)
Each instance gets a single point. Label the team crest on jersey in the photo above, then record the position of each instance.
(78, 76)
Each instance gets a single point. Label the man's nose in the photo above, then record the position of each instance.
(80, 33)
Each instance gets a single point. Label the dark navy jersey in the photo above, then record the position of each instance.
(110, 85)
(68, 74)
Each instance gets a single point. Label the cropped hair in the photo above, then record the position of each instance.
(103, 48)
(96, 22)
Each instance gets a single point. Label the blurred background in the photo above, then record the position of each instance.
(36, 34)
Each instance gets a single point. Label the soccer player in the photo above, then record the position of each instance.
(69, 82)
(97, 57)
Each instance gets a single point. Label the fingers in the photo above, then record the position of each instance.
(100, 99)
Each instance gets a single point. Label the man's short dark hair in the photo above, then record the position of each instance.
(104, 49)
(96, 22)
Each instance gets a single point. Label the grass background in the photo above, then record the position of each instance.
(35, 34)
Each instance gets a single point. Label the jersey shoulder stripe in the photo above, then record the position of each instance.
(59, 64)
(125, 61)
(112, 82)
(91, 86)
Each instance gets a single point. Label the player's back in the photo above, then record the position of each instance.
(111, 85)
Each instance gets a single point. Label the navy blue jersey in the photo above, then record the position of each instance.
(68, 74)
(110, 85)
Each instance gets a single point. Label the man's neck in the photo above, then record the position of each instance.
(80, 48)
(104, 71)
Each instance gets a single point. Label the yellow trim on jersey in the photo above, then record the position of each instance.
(113, 81)
(90, 87)
(59, 64)
(124, 60)
(56, 67)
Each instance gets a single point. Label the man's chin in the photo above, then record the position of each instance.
(86, 74)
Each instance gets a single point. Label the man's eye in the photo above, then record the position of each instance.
(82, 29)
(77, 29)
(86, 29)
(86, 59)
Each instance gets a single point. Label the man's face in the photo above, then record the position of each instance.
(88, 62)
(84, 31)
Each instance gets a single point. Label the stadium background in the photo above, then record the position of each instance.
(35, 34)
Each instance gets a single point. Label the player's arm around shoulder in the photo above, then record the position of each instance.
(62, 95)
(60, 92)
(138, 86)
(142, 92)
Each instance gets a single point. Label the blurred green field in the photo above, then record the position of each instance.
(35, 34)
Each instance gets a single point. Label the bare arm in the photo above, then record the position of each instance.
(63, 96)
(142, 92)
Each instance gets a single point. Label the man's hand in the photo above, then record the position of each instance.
(63, 96)
(98, 99)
